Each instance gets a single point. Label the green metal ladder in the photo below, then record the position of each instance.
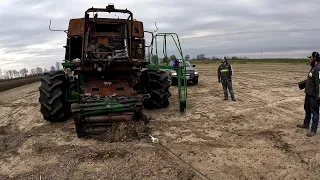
(181, 70)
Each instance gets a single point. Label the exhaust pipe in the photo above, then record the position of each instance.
(108, 118)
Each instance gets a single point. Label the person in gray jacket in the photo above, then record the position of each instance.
(224, 76)
(312, 98)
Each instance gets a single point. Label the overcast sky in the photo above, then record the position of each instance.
(214, 28)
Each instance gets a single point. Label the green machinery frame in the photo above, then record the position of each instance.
(181, 70)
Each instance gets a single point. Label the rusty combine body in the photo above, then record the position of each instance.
(105, 77)
(108, 47)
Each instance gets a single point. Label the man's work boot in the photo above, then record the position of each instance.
(311, 133)
(225, 98)
(303, 126)
(234, 99)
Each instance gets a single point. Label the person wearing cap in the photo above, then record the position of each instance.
(224, 76)
(312, 98)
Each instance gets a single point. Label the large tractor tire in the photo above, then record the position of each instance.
(52, 98)
(157, 84)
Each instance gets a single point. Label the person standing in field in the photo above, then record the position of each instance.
(312, 98)
(225, 77)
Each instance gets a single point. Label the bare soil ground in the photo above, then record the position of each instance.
(253, 138)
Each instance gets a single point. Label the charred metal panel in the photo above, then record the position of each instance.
(137, 29)
(76, 27)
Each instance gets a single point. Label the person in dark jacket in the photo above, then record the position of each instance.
(312, 98)
(224, 76)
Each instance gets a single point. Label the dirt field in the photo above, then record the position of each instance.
(253, 138)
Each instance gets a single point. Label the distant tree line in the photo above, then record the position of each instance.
(24, 72)
(204, 57)
(200, 57)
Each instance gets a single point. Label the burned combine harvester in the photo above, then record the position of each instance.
(105, 77)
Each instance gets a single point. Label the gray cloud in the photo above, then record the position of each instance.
(221, 28)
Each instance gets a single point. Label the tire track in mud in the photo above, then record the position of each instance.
(11, 137)
(276, 137)
(14, 120)
(269, 90)
(9, 118)
(20, 110)
(16, 109)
